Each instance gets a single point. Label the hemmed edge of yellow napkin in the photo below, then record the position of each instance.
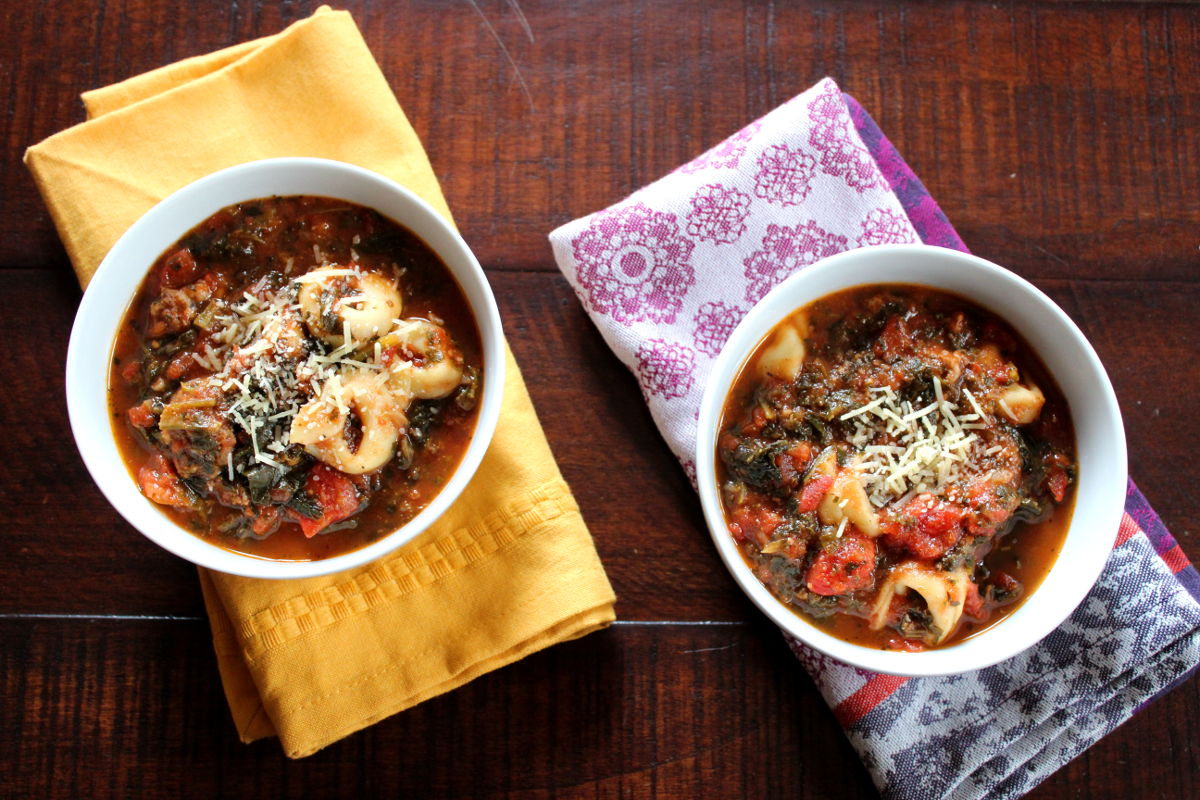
(245, 704)
(421, 563)
(566, 630)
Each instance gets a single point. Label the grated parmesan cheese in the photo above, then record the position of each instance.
(324, 274)
(270, 368)
(841, 527)
(905, 451)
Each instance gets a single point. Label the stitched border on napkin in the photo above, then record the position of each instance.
(407, 572)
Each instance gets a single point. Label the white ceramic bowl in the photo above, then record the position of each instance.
(1100, 439)
(112, 290)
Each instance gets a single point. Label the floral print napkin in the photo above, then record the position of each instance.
(667, 273)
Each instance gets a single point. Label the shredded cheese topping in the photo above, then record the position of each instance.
(906, 450)
(285, 381)
(267, 362)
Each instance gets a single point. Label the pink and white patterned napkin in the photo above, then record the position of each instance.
(667, 273)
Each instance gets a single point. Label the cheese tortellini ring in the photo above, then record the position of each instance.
(1020, 404)
(847, 498)
(354, 424)
(783, 357)
(944, 594)
(825, 463)
(333, 299)
(421, 359)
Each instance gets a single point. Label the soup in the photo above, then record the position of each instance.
(897, 466)
(295, 378)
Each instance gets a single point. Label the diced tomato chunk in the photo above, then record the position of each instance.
(988, 513)
(180, 365)
(926, 527)
(757, 421)
(813, 492)
(801, 454)
(161, 484)
(180, 269)
(755, 523)
(940, 518)
(793, 461)
(895, 340)
(1008, 588)
(1057, 483)
(973, 602)
(131, 372)
(335, 492)
(140, 416)
(898, 642)
(848, 568)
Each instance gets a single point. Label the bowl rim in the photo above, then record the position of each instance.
(114, 285)
(1106, 488)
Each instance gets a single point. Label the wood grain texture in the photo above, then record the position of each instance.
(637, 711)
(1060, 138)
(122, 696)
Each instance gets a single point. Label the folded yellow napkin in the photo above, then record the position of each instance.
(509, 570)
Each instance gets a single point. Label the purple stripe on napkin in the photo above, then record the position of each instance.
(923, 211)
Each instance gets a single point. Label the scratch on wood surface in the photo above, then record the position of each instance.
(708, 649)
(500, 42)
(1119, 40)
(772, 94)
(1057, 258)
(516, 7)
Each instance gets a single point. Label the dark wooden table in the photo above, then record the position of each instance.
(1061, 139)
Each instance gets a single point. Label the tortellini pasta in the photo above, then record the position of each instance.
(944, 593)
(334, 300)
(1020, 404)
(353, 425)
(421, 359)
(847, 498)
(783, 357)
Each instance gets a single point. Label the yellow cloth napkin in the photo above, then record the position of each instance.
(509, 570)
